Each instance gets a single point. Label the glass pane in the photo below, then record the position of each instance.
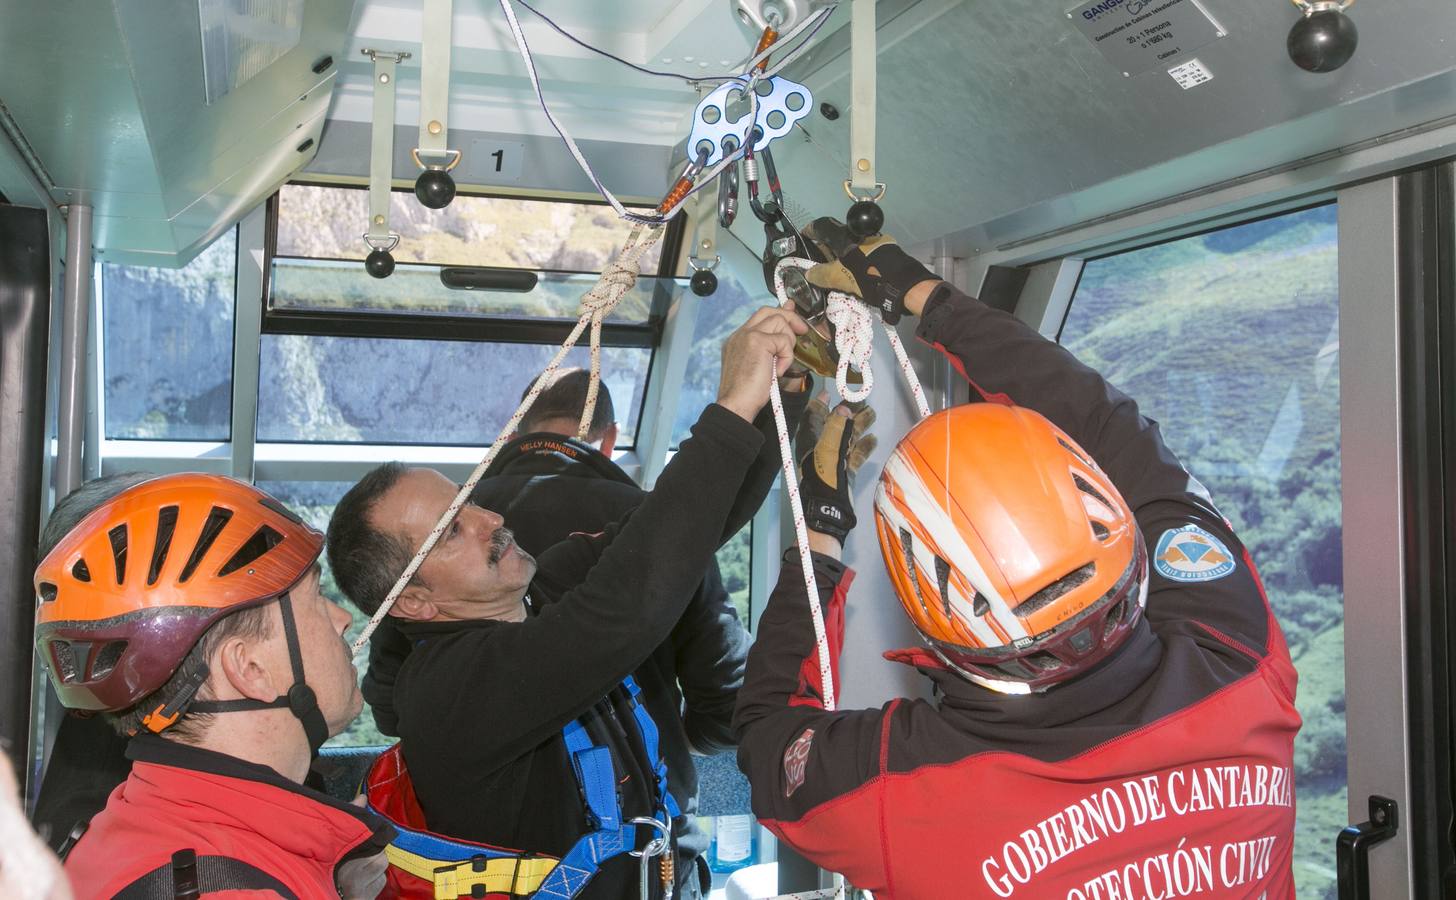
(734, 560)
(325, 284)
(325, 222)
(392, 391)
(168, 347)
(740, 291)
(1230, 341)
(314, 501)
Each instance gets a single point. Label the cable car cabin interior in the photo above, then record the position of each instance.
(284, 242)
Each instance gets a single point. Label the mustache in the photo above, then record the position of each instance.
(499, 543)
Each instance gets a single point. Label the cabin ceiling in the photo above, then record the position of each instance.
(998, 121)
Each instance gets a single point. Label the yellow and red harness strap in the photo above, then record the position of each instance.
(519, 876)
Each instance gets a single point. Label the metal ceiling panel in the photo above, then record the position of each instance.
(999, 121)
(111, 97)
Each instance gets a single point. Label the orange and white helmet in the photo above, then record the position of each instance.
(1011, 551)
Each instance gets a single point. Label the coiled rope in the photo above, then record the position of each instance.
(854, 331)
(618, 277)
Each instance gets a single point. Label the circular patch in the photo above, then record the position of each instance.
(1190, 554)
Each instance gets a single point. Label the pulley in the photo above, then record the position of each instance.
(722, 119)
(780, 15)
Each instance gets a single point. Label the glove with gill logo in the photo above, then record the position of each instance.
(876, 270)
(832, 445)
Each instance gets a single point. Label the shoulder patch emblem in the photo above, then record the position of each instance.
(1190, 554)
(796, 761)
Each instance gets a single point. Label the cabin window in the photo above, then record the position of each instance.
(741, 290)
(1230, 340)
(167, 347)
(393, 391)
(347, 358)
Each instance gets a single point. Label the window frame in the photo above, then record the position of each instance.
(97, 356)
(449, 326)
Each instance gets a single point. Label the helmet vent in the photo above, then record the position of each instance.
(106, 659)
(907, 547)
(1041, 661)
(1086, 488)
(263, 540)
(47, 592)
(166, 525)
(1082, 640)
(1099, 530)
(80, 571)
(980, 606)
(1074, 451)
(118, 551)
(216, 520)
(65, 659)
(1056, 589)
(942, 578)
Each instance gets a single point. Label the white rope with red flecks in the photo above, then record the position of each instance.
(854, 332)
(618, 277)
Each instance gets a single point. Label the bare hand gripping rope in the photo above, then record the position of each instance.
(596, 305)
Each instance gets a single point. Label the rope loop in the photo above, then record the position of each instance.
(596, 305)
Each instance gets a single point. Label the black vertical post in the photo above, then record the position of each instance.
(25, 284)
(1427, 259)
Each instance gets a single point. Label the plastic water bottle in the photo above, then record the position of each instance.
(733, 843)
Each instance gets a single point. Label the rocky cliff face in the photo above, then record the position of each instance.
(168, 334)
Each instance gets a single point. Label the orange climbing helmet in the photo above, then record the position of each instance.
(1011, 551)
(129, 591)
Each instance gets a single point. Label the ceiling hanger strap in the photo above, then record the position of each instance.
(862, 183)
(381, 149)
(435, 43)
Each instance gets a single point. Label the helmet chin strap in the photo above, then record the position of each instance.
(300, 699)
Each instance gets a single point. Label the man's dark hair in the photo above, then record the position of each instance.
(254, 622)
(366, 560)
(565, 397)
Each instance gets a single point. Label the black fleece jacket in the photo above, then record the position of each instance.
(548, 487)
(479, 706)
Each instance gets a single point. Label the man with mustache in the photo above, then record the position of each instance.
(504, 679)
(548, 485)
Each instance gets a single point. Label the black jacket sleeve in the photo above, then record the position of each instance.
(767, 466)
(1007, 361)
(506, 689)
(710, 650)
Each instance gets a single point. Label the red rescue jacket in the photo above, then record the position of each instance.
(1165, 772)
(180, 797)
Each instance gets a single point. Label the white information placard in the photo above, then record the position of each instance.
(1139, 35)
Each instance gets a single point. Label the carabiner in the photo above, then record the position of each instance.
(658, 846)
(772, 211)
(728, 196)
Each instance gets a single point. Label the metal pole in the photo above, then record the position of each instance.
(76, 306)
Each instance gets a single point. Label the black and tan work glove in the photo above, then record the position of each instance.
(876, 270)
(832, 445)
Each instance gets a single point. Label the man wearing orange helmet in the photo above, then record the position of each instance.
(183, 608)
(1115, 711)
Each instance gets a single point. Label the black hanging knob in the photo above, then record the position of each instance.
(865, 219)
(379, 264)
(704, 282)
(1323, 41)
(435, 188)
